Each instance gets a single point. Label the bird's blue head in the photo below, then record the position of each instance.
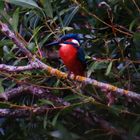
(71, 36)
(65, 39)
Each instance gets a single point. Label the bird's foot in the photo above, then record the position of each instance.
(72, 76)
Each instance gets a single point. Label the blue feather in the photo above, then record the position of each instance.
(69, 36)
(63, 38)
(81, 55)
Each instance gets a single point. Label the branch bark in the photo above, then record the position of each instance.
(37, 64)
(9, 68)
(39, 92)
(4, 28)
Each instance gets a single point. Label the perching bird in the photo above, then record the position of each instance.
(71, 53)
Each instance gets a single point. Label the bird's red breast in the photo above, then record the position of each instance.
(68, 54)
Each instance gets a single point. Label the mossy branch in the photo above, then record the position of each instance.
(37, 64)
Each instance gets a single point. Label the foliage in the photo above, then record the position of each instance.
(110, 35)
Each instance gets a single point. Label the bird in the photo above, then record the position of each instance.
(71, 53)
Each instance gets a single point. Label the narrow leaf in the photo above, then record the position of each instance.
(47, 7)
(1, 5)
(45, 101)
(1, 86)
(24, 3)
(70, 16)
(55, 119)
(108, 68)
(15, 20)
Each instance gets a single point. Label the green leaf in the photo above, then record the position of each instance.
(24, 3)
(45, 39)
(1, 86)
(136, 128)
(31, 46)
(45, 120)
(136, 39)
(67, 29)
(45, 101)
(108, 68)
(71, 97)
(36, 32)
(1, 5)
(132, 24)
(55, 118)
(4, 105)
(47, 7)
(61, 13)
(15, 20)
(97, 66)
(5, 16)
(6, 42)
(70, 16)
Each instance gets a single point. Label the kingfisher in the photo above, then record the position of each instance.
(71, 53)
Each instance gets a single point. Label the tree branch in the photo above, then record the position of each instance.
(85, 117)
(9, 68)
(37, 91)
(26, 111)
(4, 28)
(37, 64)
(59, 74)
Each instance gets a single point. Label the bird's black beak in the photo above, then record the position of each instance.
(55, 43)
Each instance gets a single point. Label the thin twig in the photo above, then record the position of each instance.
(96, 17)
(136, 5)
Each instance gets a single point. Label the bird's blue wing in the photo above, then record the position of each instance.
(81, 55)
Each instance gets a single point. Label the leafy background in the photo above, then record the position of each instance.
(112, 57)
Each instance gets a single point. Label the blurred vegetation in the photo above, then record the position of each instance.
(113, 56)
